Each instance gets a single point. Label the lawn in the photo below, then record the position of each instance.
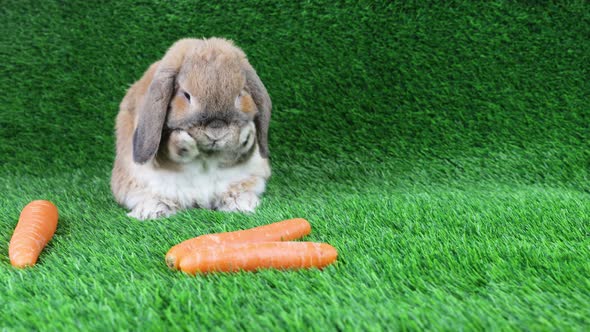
(443, 149)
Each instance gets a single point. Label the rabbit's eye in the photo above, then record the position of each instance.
(187, 96)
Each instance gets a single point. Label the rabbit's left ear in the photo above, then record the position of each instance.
(264, 105)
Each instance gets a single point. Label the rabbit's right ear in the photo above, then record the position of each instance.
(152, 111)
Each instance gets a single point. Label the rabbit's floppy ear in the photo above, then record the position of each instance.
(152, 111)
(264, 105)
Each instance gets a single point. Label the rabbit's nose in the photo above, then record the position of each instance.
(216, 124)
(216, 135)
(216, 130)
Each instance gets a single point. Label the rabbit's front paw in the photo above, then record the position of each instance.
(182, 148)
(151, 210)
(240, 202)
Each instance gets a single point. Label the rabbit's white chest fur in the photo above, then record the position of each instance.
(203, 183)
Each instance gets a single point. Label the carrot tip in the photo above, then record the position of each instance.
(171, 262)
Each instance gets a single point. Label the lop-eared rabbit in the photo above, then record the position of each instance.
(192, 133)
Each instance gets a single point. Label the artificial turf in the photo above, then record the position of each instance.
(443, 148)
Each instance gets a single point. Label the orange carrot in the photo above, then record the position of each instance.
(255, 256)
(36, 226)
(285, 230)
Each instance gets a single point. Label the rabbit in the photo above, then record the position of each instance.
(193, 133)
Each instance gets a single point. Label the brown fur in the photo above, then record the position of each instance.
(247, 104)
(180, 105)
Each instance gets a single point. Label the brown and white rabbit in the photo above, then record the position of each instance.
(192, 132)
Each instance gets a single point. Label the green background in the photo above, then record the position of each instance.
(442, 148)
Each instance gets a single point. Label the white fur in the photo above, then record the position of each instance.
(199, 183)
(187, 142)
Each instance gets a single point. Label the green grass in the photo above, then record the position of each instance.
(443, 149)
